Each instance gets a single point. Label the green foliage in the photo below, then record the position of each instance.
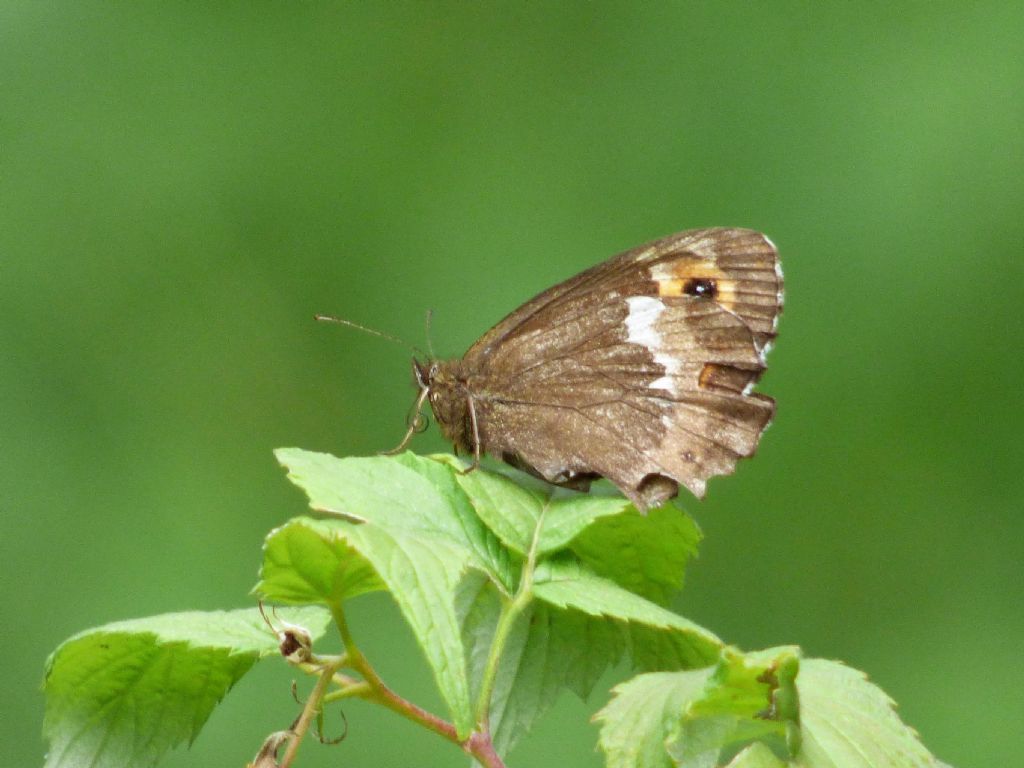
(651, 551)
(526, 514)
(848, 721)
(635, 724)
(125, 693)
(515, 592)
(748, 697)
(547, 651)
(784, 711)
(423, 525)
(757, 755)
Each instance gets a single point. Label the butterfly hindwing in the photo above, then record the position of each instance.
(638, 370)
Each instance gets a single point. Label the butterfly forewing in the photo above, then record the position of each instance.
(638, 369)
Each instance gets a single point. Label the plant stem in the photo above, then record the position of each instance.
(511, 610)
(347, 691)
(309, 711)
(376, 690)
(318, 663)
(479, 744)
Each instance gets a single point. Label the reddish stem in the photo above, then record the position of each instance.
(479, 744)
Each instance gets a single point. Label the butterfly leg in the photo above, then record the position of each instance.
(476, 437)
(417, 423)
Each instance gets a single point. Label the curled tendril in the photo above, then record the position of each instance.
(320, 730)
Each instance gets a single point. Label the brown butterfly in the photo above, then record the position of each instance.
(639, 370)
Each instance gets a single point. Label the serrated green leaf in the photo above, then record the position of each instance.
(661, 638)
(478, 605)
(847, 722)
(388, 491)
(124, 694)
(844, 721)
(422, 574)
(405, 493)
(748, 696)
(756, 755)
(580, 627)
(547, 651)
(571, 513)
(511, 510)
(646, 554)
(422, 555)
(305, 561)
(490, 555)
(636, 722)
(520, 511)
(409, 531)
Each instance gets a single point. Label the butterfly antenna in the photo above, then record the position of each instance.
(430, 342)
(364, 329)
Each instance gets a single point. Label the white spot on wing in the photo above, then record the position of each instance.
(663, 382)
(644, 312)
(781, 296)
(641, 328)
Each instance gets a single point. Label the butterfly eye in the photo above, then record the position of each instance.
(701, 287)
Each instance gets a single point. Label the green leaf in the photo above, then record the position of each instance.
(410, 531)
(478, 605)
(125, 693)
(661, 639)
(407, 493)
(580, 626)
(436, 539)
(421, 574)
(687, 718)
(756, 755)
(847, 722)
(520, 511)
(690, 719)
(396, 492)
(570, 514)
(547, 651)
(749, 696)
(305, 561)
(646, 554)
(635, 723)
(511, 510)
(489, 554)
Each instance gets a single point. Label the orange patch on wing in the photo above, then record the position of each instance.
(672, 279)
(707, 375)
(725, 377)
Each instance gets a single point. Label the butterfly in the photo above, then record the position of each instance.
(639, 370)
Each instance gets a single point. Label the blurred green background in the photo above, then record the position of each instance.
(183, 185)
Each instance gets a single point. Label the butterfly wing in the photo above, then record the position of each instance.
(639, 369)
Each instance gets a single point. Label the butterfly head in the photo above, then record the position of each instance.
(439, 384)
(424, 373)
